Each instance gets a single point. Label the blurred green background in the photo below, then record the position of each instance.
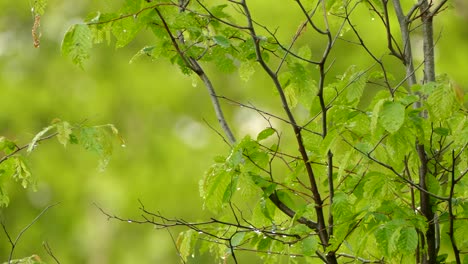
(161, 115)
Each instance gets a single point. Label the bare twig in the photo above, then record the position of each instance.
(48, 249)
(14, 243)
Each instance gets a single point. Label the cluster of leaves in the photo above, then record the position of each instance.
(204, 37)
(13, 164)
(375, 178)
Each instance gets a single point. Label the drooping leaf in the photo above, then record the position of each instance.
(22, 172)
(186, 243)
(408, 240)
(37, 137)
(77, 43)
(64, 130)
(97, 139)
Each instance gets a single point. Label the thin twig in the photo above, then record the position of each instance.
(14, 243)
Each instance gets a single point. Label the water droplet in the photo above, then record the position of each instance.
(264, 237)
(238, 188)
(292, 256)
(373, 19)
(200, 232)
(124, 31)
(283, 236)
(193, 255)
(123, 146)
(257, 231)
(129, 221)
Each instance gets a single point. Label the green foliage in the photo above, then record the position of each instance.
(356, 149)
(34, 259)
(186, 243)
(77, 43)
(13, 165)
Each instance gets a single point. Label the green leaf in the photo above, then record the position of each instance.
(375, 114)
(213, 187)
(341, 207)
(39, 7)
(267, 208)
(230, 189)
(237, 239)
(327, 143)
(441, 102)
(64, 131)
(7, 146)
(266, 133)
(442, 131)
(186, 243)
(304, 52)
(384, 236)
(22, 172)
(291, 96)
(408, 240)
(286, 198)
(222, 41)
(218, 11)
(264, 244)
(357, 83)
(77, 43)
(98, 140)
(392, 116)
(38, 136)
(377, 186)
(147, 50)
(125, 30)
(246, 70)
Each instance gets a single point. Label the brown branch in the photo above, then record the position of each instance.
(195, 67)
(451, 232)
(321, 229)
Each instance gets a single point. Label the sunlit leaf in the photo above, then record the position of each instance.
(222, 41)
(266, 133)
